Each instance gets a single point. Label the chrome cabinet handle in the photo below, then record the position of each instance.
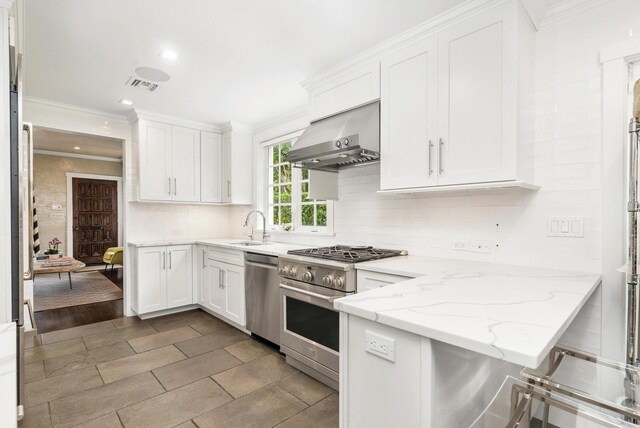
(430, 150)
(224, 275)
(220, 278)
(170, 253)
(169, 185)
(229, 188)
(175, 186)
(204, 255)
(164, 260)
(28, 274)
(440, 167)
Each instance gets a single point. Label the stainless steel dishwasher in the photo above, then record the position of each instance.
(262, 294)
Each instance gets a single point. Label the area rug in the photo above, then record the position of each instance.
(50, 292)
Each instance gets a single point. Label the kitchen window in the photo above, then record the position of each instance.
(287, 195)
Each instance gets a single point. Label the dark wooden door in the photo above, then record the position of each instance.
(95, 218)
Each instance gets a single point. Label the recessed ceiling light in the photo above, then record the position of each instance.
(76, 148)
(172, 56)
(126, 102)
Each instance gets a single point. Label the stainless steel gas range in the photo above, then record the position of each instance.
(310, 280)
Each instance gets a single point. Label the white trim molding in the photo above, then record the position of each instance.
(141, 114)
(76, 155)
(70, 177)
(570, 8)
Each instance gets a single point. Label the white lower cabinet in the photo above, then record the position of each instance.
(221, 287)
(371, 280)
(164, 278)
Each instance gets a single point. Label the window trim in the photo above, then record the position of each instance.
(296, 197)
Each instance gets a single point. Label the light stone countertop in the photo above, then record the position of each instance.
(270, 248)
(512, 313)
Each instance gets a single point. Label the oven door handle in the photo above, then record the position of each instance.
(310, 294)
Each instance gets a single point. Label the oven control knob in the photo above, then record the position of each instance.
(292, 272)
(284, 270)
(338, 282)
(308, 276)
(327, 280)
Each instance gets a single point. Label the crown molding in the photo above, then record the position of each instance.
(569, 8)
(436, 24)
(236, 126)
(76, 155)
(55, 104)
(143, 114)
(6, 4)
(536, 10)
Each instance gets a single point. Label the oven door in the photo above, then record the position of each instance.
(310, 325)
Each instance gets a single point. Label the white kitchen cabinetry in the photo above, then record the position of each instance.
(210, 167)
(221, 285)
(237, 169)
(371, 280)
(456, 108)
(169, 162)
(164, 278)
(348, 90)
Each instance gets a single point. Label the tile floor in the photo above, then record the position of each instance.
(182, 370)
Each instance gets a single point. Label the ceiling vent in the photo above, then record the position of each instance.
(136, 82)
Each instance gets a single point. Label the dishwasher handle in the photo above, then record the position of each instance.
(262, 265)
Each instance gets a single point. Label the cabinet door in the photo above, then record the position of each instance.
(210, 167)
(201, 289)
(371, 280)
(179, 276)
(233, 284)
(408, 117)
(215, 292)
(226, 167)
(185, 171)
(477, 114)
(152, 279)
(154, 160)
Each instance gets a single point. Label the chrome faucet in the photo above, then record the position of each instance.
(264, 224)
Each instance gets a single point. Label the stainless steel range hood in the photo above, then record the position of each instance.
(346, 139)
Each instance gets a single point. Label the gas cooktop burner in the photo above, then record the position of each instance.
(345, 253)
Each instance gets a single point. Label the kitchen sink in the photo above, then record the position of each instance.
(248, 243)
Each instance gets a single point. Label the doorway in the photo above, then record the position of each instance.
(95, 218)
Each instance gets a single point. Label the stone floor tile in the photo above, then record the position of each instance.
(253, 375)
(34, 371)
(36, 417)
(118, 335)
(87, 358)
(53, 350)
(158, 340)
(52, 388)
(323, 414)
(180, 319)
(263, 408)
(32, 340)
(128, 322)
(210, 325)
(75, 332)
(183, 372)
(211, 342)
(139, 363)
(305, 388)
(88, 405)
(249, 350)
(175, 407)
(188, 424)
(110, 420)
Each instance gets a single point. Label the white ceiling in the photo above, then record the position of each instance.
(58, 141)
(239, 60)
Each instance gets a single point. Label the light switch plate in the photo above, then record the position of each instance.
(381, 346)
(568, 227)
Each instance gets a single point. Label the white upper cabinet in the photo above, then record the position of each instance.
(348, 90)
(237, 169)
(478, 99)
(409, 117)
(210, 167)
(154, 142)
(185, 171)
(456, 106)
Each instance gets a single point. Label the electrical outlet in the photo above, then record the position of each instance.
(480, 246)
(381, 346)
(460, 245)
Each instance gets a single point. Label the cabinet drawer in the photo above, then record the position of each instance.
(224, 255)
(371, 280)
